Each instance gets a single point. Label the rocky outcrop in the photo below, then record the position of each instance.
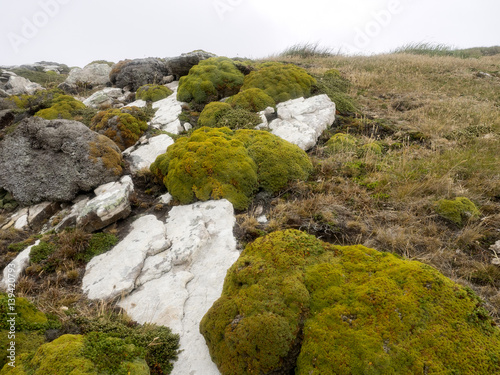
(179, 66)
(132, 74)
(106, 98)
(54, 160)
(301, 121)
(143, 155)
(91, 76)
(110, 205)
(167, 114)
(13, 84)
(170, 274)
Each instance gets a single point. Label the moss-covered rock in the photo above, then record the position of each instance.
(294, 303)
(459, 211)
(40, 100)
(119, 125)
(221, 163)
(212, 113)
(342, 142)
(253, 100)
(152, 93)
(281, 82)
(210, 80)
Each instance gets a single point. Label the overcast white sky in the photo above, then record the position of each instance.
(76, 32)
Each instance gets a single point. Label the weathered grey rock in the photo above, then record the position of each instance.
(54, 160)
(179, 66)
(46, 66)
(143, 155)
(135, 73)
(15, 269)
(495, 248)
(6, 118)
(301, 121)
(67, 217)
(107, 97)
(110, 205)
(16, 85)
(167, 114)
(171, 274)
(91, 76)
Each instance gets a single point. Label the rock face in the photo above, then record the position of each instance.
(135, 73)
(53, 160)
(170, 274)
(167, 114)
(13, 84)
(91, 76)
(301, 121)
(110, 205)
(144, 155)
(16, 268)
(179, 66)
(108, 97)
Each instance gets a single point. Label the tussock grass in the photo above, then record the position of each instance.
(308, 49)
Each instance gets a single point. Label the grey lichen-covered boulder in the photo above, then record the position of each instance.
(90, 77)
(179, 66)
(13, 84)
(135, 73)
(54, 160)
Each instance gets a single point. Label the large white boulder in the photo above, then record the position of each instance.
(301, 121)
(114, 273)
(17, 85)
(110, 205)
(92, 75)
(142, 156)
(170, 274)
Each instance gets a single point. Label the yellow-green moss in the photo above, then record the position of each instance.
(208, 165)
(63, 107)
(342, 142)
(346, 310)
(105, 151)
(210, 80)
(215, 163)
(253, 100)
(119, 125)
(459, 210)
(212, 113)
(281, 82)
(278, 161)
(152, 93)
(40, 100)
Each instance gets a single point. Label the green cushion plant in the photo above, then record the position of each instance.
(292, 303)
(253, 100)
(120, 125)
(281, 82)
(152, 93)
(215, 163)
(210, 80)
